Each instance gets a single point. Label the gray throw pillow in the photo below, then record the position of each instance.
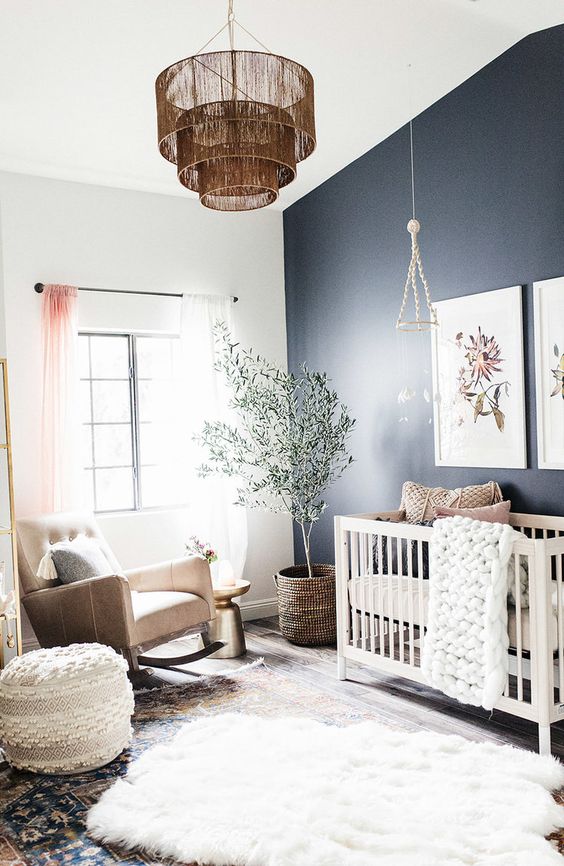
(79, 559)
(408, 548)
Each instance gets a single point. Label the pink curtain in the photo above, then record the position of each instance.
(59, 417)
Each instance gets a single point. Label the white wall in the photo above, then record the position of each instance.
(54, 231)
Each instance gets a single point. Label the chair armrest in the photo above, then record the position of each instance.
(190, 574)
(95, 610)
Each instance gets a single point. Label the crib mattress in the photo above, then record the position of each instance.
(393, 595)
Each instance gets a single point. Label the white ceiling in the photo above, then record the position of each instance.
(77, 76)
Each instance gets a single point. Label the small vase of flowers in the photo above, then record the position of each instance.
(204, 550)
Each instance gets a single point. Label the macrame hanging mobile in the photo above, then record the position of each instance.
(428, 319)
(414, 370)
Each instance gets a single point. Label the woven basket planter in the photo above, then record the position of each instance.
(307, 605)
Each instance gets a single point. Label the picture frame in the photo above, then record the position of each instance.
(478, 381)
(549, 371)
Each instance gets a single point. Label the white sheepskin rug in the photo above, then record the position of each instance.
(236, 790)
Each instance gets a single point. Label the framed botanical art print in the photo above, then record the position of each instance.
(549, 366)
(478, 384)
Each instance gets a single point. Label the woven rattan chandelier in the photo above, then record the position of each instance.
(235, 123)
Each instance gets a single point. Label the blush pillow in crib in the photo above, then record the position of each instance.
(419, 501)
(498, 513)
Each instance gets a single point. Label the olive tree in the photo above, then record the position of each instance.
(289, 438)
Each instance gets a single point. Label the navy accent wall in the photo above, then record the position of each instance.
(489, 160)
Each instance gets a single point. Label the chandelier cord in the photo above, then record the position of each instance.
(229, 24)
(248, 32)
(209, 42)
(224, 27)
(230, 20)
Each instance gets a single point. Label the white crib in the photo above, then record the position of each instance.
(382, 607)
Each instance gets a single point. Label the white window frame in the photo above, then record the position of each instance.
(134, 422)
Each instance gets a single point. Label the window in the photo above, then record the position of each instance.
(129, 435)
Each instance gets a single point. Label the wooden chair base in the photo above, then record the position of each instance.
(135, 657)
(173, 661)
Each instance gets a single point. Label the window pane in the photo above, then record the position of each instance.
(155, 357)
(151, 443)
(107, 414)
(83, 357)
(148, 396)
(110, 357)
(111, 401)
(112, 445)
(88, 489)
(157, 401)
(114, 489)
(86, 444)
(85, 407)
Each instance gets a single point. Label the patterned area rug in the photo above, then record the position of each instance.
(42, 817)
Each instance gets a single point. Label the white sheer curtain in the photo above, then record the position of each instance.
(213, 516)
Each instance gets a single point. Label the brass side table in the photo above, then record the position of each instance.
(227, 625)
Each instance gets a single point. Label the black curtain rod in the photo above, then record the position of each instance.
(40, 286)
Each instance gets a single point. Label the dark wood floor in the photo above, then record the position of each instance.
(396, 701)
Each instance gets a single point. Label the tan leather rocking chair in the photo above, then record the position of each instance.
(132, 611)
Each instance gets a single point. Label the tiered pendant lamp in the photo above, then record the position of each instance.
(235, 123)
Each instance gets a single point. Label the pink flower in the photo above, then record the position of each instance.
(484, 357)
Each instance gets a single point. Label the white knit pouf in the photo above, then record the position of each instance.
(66, 709)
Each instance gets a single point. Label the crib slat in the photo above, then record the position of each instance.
(400, 599)
(355, 582)
(370, 543)
(411, 630)
(420, 593)
(390, 598)
(381, 624)
(518, 625)
(362, 558)
(560, 626)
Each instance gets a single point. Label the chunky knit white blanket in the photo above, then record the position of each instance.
(465, 648)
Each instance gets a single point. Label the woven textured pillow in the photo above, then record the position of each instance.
(79, 559)
(498, 513)
(419, 501)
